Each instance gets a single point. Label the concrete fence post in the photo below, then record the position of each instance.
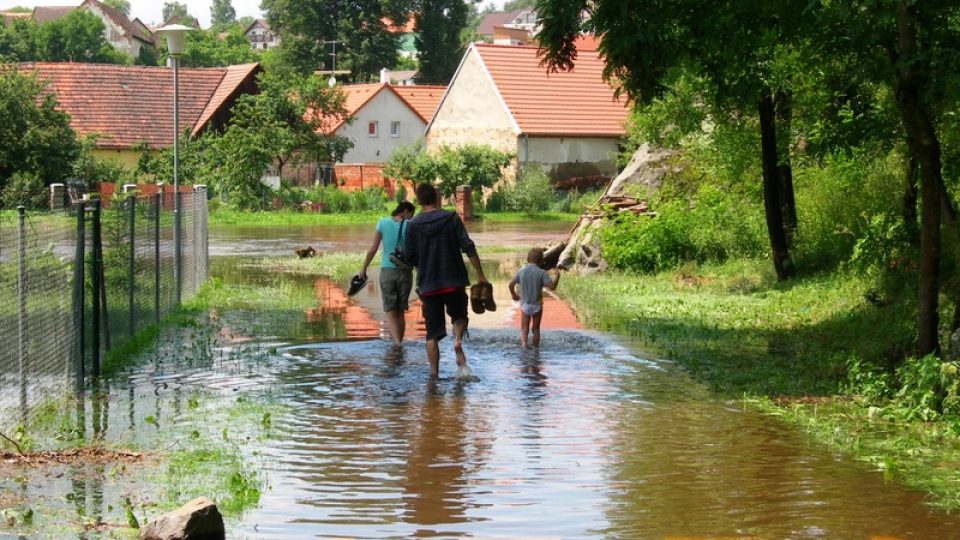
(463, 198)
(58, 193)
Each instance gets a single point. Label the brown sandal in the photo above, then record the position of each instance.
(476, 303)
(486, 295)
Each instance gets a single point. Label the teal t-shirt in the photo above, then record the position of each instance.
(388, 229)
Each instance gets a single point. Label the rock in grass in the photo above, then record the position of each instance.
(198, 519)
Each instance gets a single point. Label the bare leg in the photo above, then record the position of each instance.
(536, 328)
(433, 356)
(524, 329)
(396, 324)
(458, 328)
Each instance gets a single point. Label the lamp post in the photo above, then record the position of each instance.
(332, 81)
(176, 37)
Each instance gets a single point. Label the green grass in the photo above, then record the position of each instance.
(226, 216)
(519, 217)
(784, 347)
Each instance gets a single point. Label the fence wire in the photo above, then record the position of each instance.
(47, 300)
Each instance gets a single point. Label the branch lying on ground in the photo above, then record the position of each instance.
(13, 442)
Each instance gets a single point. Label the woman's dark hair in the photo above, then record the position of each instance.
(404, 206)
(426, 194)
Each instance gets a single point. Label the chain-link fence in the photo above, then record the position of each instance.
(58, 318)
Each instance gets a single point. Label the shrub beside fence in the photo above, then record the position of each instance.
(58, 318)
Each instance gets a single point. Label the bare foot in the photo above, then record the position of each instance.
(458, 349)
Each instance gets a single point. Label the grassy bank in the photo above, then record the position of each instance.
(786, 348)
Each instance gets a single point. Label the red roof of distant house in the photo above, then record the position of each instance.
(407, 28)
(129, 27)
(42, 14)
(485, 28)
(577, 102)
(422, 100)
(129, 105)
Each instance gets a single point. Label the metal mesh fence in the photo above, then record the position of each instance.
(58, 318)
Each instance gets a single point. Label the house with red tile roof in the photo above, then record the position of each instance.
(569, 123)
(523, 18)
(125, 35)
(382, 117)
(127, 106)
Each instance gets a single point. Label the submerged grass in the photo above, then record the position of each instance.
(784, 347)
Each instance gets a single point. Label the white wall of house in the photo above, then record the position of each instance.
(472, 112)
(115, 34)
(396, 125)
(563, 157)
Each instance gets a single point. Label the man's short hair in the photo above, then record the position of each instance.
(535, 256)
(426, 194)
(404, 206)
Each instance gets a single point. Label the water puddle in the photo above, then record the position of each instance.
(586, 437)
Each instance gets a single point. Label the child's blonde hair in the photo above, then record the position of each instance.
(535, 256)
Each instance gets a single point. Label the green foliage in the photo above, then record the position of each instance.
(439, 24)
(478, 166)
(210, 48)
(34, 136)
(24, 188)
(78, 37)
(531, 193)
(222, 13)
(177, 12)
(921, 389)
(90, 169)
(716, 226)
(365, 45)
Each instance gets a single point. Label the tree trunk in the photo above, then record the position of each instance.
(771, 188)
(910, 198)
(925, 145)
(783, 109)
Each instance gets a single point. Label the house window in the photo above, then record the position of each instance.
(372, 129)
(394, 129)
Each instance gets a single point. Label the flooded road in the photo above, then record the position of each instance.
(587, 437)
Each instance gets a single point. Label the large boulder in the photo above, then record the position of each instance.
(626, 193)
(196, 520)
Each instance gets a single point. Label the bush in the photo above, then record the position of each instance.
(577, 202)
(531, 193)
(24, 188)
(717, 226)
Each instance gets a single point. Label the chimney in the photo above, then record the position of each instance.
(384, 76)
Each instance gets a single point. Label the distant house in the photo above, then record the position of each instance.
(522, 19)
(131, 37)
(405, 34)
(127, 106)
(260, 35)
(384, 117)
(568, 123)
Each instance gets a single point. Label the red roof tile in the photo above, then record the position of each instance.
(490, 20)
(129, 27)
(42, 14)
(127, 105)
(577, 102)
(423, 99)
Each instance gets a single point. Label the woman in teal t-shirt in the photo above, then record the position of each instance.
(395, 284)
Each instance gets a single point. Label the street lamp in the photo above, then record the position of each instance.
(176, 37)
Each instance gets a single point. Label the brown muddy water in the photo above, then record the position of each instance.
(587, 437)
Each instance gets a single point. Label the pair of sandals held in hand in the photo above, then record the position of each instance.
(481, 298)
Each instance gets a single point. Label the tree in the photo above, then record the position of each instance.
(123, 6)
(175, 11)
(439, 25)
(734, 44)
(209, 48)
(364, 43)
(478, 166)
(35, 137)
(919, 44)
(287, 121)
(222, 13)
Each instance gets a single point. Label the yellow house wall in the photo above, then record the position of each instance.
(472, 112)
(127, 158)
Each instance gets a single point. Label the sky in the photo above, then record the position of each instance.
(149, 10)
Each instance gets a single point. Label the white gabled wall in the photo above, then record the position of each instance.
(385, 107)
(563, 157)
(472, 111)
